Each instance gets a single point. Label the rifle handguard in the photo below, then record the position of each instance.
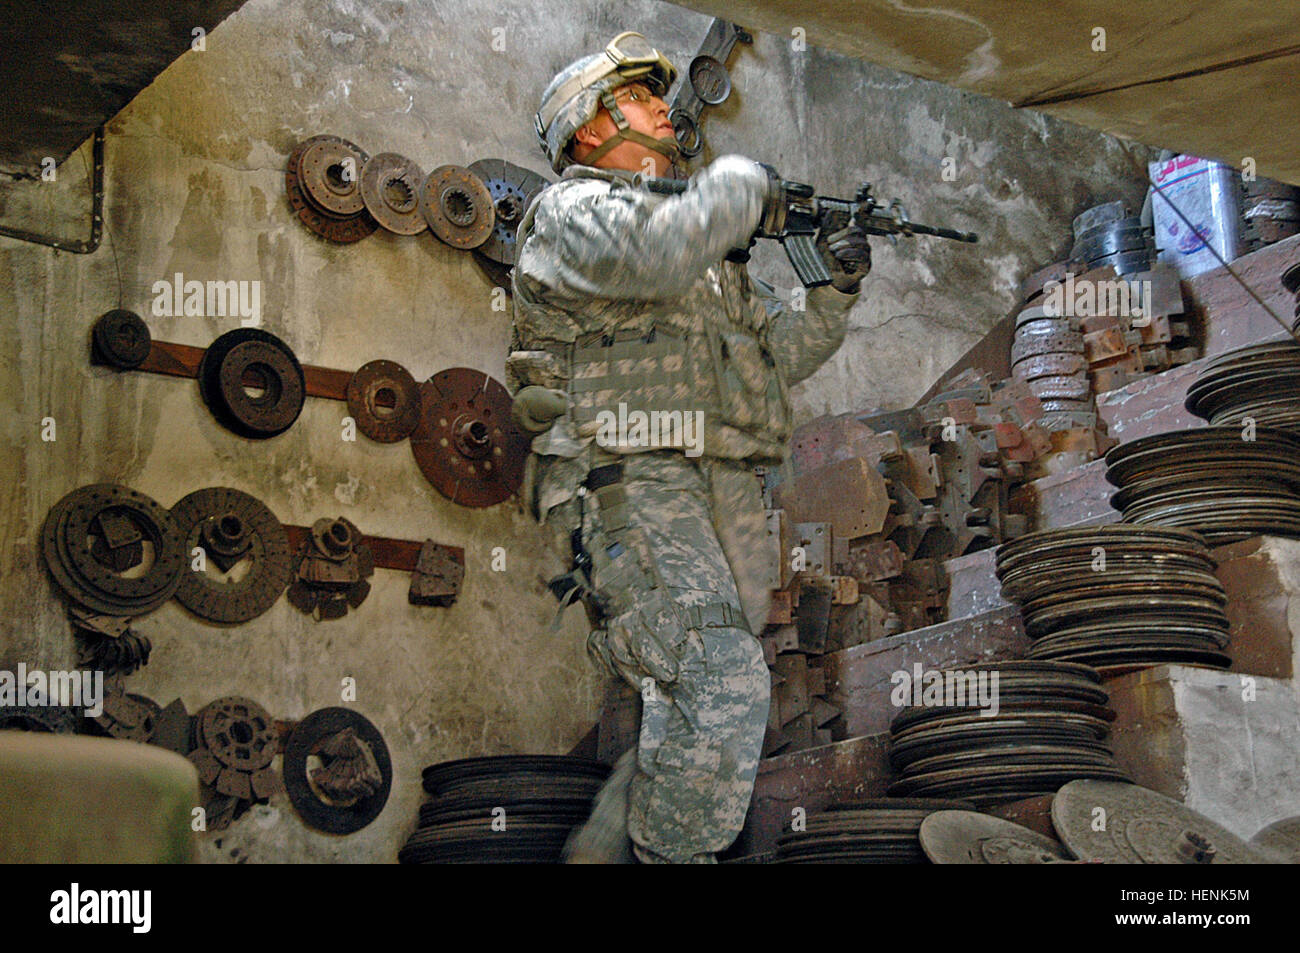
(775, 205)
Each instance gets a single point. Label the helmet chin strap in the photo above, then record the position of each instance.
(666, 146)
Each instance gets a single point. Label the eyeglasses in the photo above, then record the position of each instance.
(636, 94)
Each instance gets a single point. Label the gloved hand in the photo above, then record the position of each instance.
(535, 408)
(847, 254)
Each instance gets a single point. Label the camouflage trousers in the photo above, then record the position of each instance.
(677, 633)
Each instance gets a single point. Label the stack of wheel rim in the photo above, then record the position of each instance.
(880, 831)
(1117, 597)
(1049, 726)
(1259, 384)
(513, 809)
(1225, 483)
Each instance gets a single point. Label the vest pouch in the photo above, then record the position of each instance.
(749, 388)
(646, 372)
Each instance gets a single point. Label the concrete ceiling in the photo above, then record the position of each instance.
(67, 66)
(1215, 78)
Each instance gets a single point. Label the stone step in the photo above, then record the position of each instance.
(1151, 405)
(1222, 743)
(1230, 316)
(811, 780)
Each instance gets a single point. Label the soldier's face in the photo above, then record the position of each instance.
(646, 113)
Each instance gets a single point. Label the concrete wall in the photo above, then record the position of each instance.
(195, 185)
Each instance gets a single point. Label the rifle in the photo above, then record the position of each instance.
(800, 213)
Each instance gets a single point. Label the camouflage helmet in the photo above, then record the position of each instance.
(577, 92)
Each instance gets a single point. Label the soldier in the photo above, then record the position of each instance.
(626, 311)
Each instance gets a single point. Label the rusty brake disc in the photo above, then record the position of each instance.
(330, 171)
(120, 339)
(466, 445)
(360, 784)
(231, 527)
(390, 187)
(457, 206)
(512, 189)
(67, 546)
(384, 400)
(249, 358)
(313, 209)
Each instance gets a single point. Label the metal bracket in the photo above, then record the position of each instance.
(704, 83)
(96, 210)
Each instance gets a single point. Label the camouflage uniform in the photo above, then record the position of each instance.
(622, 296)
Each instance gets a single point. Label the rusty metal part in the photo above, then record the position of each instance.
(1062, 387)
(1033, 285)
(965, 837)
(706, 83)
(544, 797)
(1142, 827)
(489, 774)
(330, 175)
(351, 785)
(458, 207)
(466, 445)
(66, 545)
(333, 569)
(173, 729)
(129, 717)
(231, 527)
(1043, 337)
(512, 189)
(342, 229)
(390, 188)
(113, 655)
(849, 494)
(437, 577)
(117, 542)
(120, 339)
(256, 359)
(1104, 214)
(384, 400)
(1116, 237)
(1127, 262)
(237, 740)
(280, 382)
(1049, 365)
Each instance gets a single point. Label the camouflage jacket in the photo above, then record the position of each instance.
(623, 296)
